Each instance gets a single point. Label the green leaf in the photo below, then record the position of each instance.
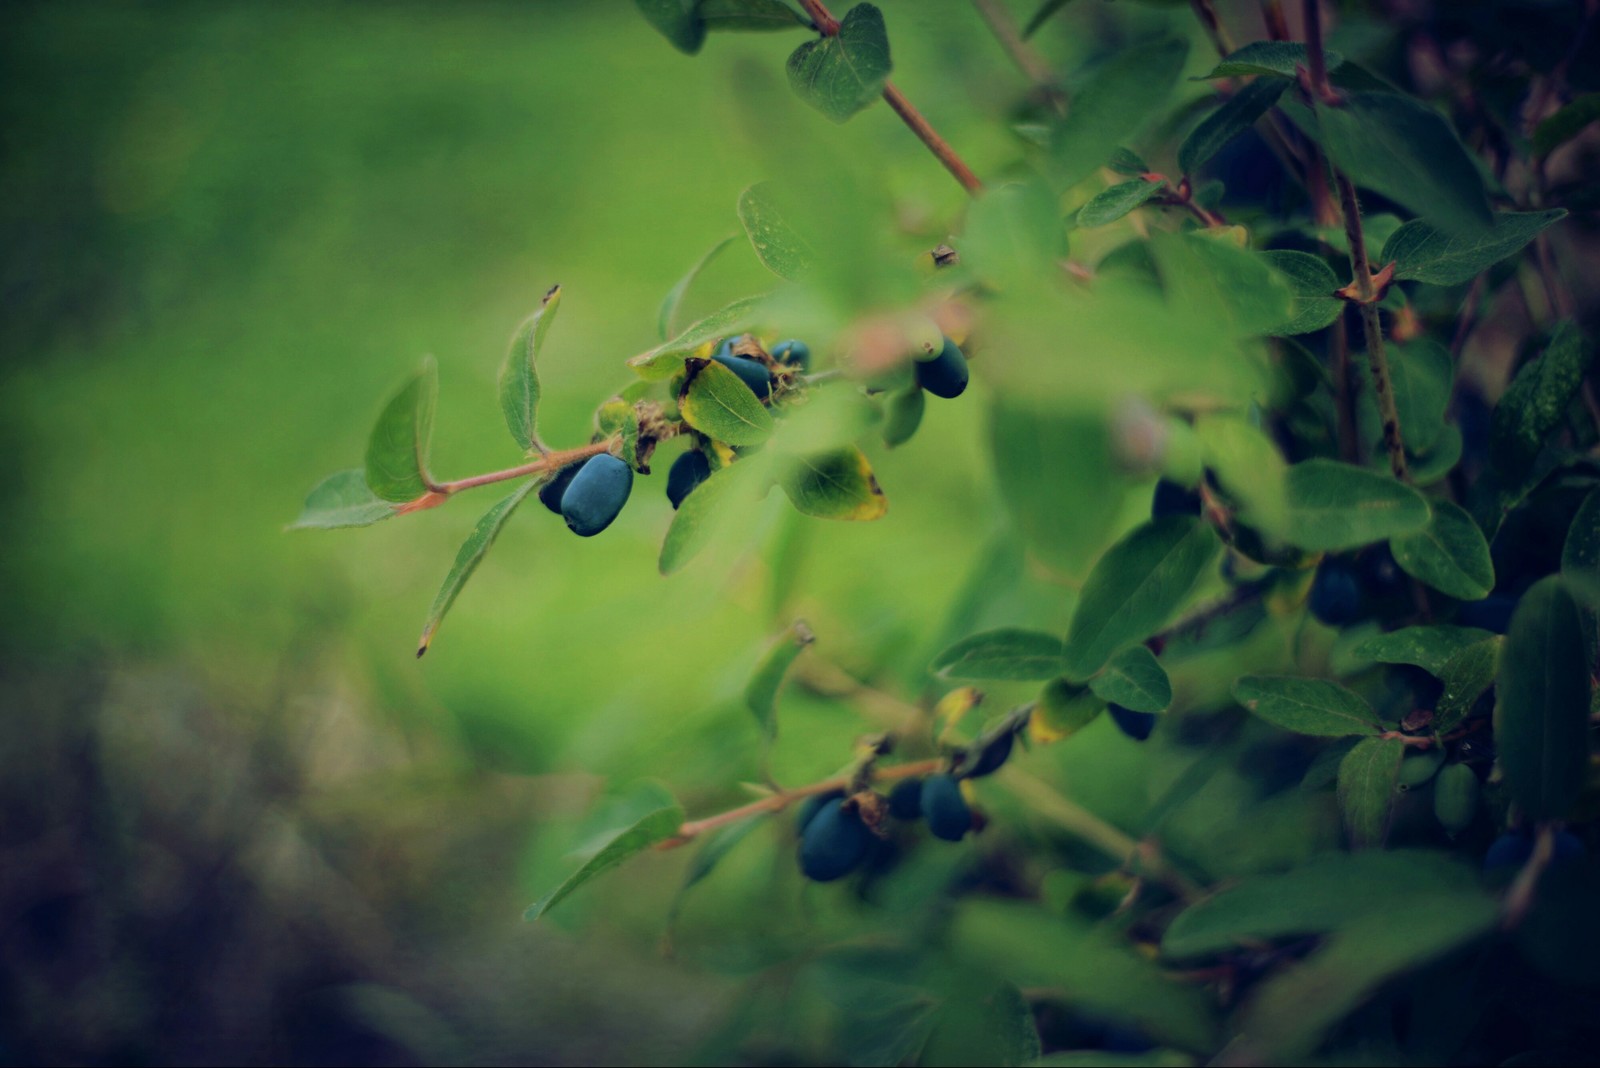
(1065, 510)
(1422, 253)
(1368, 775)
(714, 847)
(1456, 796)
(761, 693)
(776, 242)
(1248, 467)
(677, 21)
(617, 418)
(707, 509)
(468, 557)
(904, 416)
(1449, 554)
(1126, 161)
(1314, 283)
(1062, 709)
(990, 1024)
(1565, 124)
(1236, 115)
(1422, 376)
(519, 375)
(1135, 587)
(1112, 204)
(1006, 653)
(1541, 715)
(841, 75)
(654, 826)
(1267, 57)
(1439, 460)
(716, 402)
(342, 500)
(1467, 675)
(837, 484)
(1306, 706)
(1041, 16)
(1429, 648)
(667, 316)
(1536, 401)
(1014, 235)
(749, 16)
(1113, 105)
(1395, 145)
(1322, 895)
(1135, 680)
(1200, 266)
(667, 359)
(1334, 506)
(397, 451)
(1580, 556)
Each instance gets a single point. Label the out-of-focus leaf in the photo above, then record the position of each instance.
(1422, 253)
(1580, 556)
(714, 847)
(1006, 653)
(837, 484)
(1249, 468)
(1395, 145)
(729, 490)
(993, 1027)
(1566, 124)
(1334, 506)
(1236, 115)
(904, 416)
(1368, 775)
(777, 244)
(1314, 283)
(667, 317)
(1113, 104)
(716, 402)
(1536, 401)
(1541, 715)
(656, 825)
(840, 75)
(677, 21)
(1063, 709)
(1041, 16)
(342, 500)
(519, 375)
(748, 16)
(761, 693)
(1135, 680)
(666, 360)
(1468, 673)
(1421, 374)
(1456, 796)
(397, 450)
(1014, 234)
(1058, 480)
(1112, 204)
(1306, 706)
(1449, 554)
(1201, 268)
(468, 557)
(1135, 587)
(1429, 647)
(1267, 57)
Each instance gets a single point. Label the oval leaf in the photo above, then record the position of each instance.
(1134, 587)
(666, 360)
(1306, 706)
(655, 826)
(1467, 675)
(519, 376)
(1112, 204)
(716, 402)
(1429, 648)
(1368, 775)
(1135, 680)
(837, 484)
(342, 500)
(1006, 653)
(1580, 556)
(840, 75)
(1314, 283)
(1541, 715)
(1113, 104)
(1267, 57)
(777, 244)
(1333, 506)
(677, 21)
(397, 450)
(1536, 401)
(761, 693)
(1423, 253)
(468, 557)
(1236, 115)
(1449, 554)
(707, 509)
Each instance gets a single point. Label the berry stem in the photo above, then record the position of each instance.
(828, 26)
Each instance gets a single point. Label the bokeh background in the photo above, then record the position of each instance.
(238, 821)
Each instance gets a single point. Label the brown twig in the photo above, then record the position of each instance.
(439, 492)
(1033, 66)
(1207, 14)
(1272, 15)
(828, 26)
(1377, 358)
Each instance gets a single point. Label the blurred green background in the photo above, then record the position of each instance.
(239, 820)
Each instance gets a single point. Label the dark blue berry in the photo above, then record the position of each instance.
(550, 493)
(1136, 725)
(834, 843)
(596, 494)
(905, 800)
(687, 472)
(1568, 846)
(946, 374)
(945, 808)
(1492, 613)
(1510, 850)
(752, 373)
(794, 353)
(992, 757)
(1336, 592)
(812, 805)
(1172, 499)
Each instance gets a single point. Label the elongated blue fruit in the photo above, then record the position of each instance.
(1336, 592)
(945, 809)
(551, 492)
(946, 374)
(1136, 725)
(993, 756)
(834, 842)
(596, 494)
(905, 800)
(687, 472)
(794, 353)
(753, 373)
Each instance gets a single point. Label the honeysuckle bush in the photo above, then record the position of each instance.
(1261, 731)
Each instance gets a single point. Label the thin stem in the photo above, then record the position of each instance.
(1377, 358)
(1272, 15)
(1319, 61)
(1032, 65)
(550, 461)
(783, 799)
(828, 26)
(1207, 14)
(1344, 394)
